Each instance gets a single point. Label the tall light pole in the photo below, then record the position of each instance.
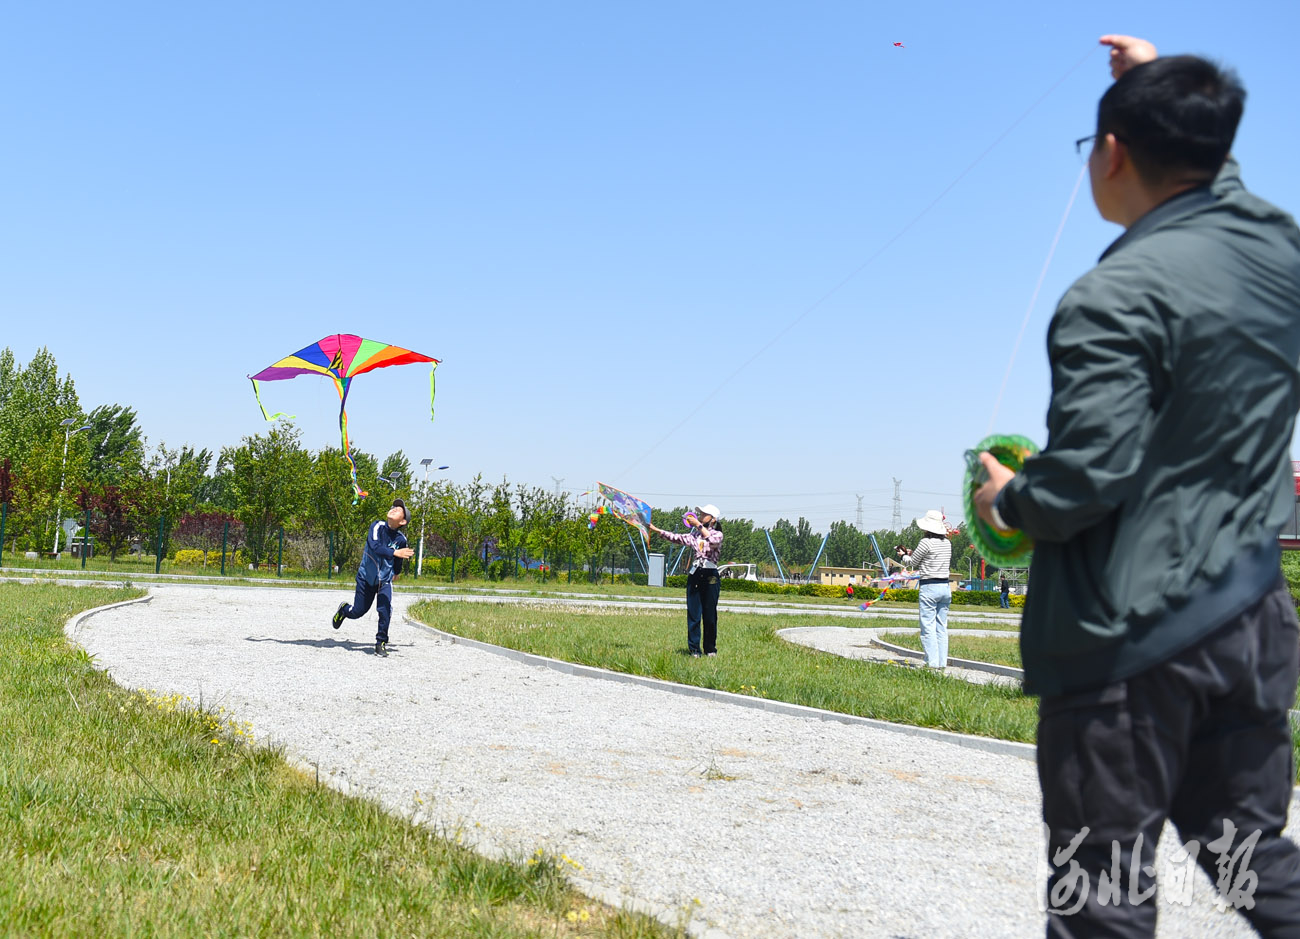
(424, 511)
(970, 569)
(66, 424)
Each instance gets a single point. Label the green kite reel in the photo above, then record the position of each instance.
(1004, 548)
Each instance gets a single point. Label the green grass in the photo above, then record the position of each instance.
(128, 814)
(751, 660)
(994, 649)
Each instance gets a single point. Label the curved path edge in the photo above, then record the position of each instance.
(71, 626)
(1024, 751)
(1009, 671)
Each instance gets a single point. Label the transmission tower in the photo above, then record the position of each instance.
(559, 481)
(898, 505)
(859, 523)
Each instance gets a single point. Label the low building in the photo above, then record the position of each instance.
(864, 576)
(845, 576)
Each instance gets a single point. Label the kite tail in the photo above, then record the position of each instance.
(432, 389)
(270, 417)
(357, 492)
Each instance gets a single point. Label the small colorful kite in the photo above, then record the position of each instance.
(899, 45)
(1005, 548)
(341, 358)
(884, 595)
(627, 507)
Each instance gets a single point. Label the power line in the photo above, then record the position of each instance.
(701, 403)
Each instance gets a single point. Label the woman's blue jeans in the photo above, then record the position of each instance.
(935, 600)
(702, 589)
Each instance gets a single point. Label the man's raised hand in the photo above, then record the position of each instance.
(1126, 52)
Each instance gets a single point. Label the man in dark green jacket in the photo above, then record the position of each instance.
(1157, 628)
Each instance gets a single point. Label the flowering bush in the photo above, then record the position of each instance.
(194, 557)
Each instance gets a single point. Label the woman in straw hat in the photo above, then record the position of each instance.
(702, 583)
(932, 557)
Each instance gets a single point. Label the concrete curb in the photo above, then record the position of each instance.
(71, 627)
(1024, 751)
(1008, 670)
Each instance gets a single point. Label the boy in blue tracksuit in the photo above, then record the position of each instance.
(381, 561)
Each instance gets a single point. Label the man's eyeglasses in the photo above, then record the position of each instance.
(1090, 140)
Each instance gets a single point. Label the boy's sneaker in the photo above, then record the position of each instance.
(712, 655)
(339, 613)
(381, 649)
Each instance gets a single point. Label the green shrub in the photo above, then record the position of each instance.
(977, 597)
(909, 596)
(735, 585)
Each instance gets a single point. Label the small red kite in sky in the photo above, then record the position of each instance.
(899, 45)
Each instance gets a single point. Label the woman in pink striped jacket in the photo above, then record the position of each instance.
(702, 583)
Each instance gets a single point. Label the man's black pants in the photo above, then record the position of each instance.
(1204, 740)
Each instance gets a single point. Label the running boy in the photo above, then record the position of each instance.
(381, 561)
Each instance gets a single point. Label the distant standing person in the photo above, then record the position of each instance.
(932, 558)
(381, 561)
(702, 583)
(1005, 587)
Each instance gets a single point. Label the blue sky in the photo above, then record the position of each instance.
(600, 216)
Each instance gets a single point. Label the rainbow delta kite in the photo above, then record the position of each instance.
(341, 358)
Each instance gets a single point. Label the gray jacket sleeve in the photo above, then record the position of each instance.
(1105, 347)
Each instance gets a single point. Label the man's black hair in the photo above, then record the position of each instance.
(1176, 115)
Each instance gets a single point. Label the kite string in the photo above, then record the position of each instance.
(700, 404)
(1033, 300)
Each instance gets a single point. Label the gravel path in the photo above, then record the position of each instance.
(777, 825)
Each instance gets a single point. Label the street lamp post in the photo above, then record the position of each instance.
(66, 424)
(970, 567)
(424, 511)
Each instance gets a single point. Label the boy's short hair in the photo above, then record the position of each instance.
(399, 504)
(1176, 114)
